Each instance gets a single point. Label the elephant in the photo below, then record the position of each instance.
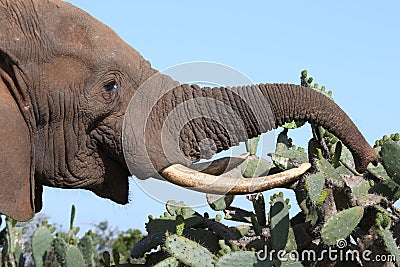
(80, 108)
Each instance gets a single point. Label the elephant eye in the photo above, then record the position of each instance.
(111, 86)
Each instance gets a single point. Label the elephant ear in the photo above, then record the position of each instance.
(16, 173)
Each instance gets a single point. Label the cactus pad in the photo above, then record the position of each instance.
(41, 243)
(390, 243)
(73, 257)
(390, 153)
(341, 225)
(238, 258)
(315, 185)
(279, 222)
(188, 251)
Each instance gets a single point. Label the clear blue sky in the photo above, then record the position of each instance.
(351, 47)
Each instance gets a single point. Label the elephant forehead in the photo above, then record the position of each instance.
(74, 32)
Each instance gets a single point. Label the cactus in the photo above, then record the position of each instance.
(330, 173)
(390, 154)
(218, 202)
(168, 262)
(390, 243)
(251, 145)
(288, 158)
(387, 188)
(73, 257)
(188, 252)
(255, 167)
(86, 246)
(207, 238)
(279, 221)
(315, 185)
(378, 171)
(147, 244)
(238, 258)
(41, 244)
(60, 246)
(341, 225)
(167, 222)
(178, 208)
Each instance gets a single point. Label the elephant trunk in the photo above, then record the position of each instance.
(292, 102)
(187, 123)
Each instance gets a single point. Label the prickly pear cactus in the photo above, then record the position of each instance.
(390, 153)
(390, 243)
(237, 258)
(279, 221)
(188, 252)
(73, 257)
(41, 244)
(341, 225)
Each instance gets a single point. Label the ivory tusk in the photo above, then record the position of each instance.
(220, 166)
(203, 182)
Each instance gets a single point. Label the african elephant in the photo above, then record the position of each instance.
(66, 82)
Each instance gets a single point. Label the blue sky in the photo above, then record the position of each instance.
(351, 47)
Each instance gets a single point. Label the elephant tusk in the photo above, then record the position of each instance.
(220, 166)
(203, 182)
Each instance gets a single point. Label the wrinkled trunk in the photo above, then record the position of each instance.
(188, 123)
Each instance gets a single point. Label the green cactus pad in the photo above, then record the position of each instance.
(219, 202)
(315, 185)
(188, 252)
(390, 243)
(390, 153)
(178, 208)
(252, 144)
(362, 188)
(85, 245)
(255, 167)
(60, 246)
(293, 124)
(387, 188)
(205, 237)
(259, 207)
(378, 171)
(73, 257)
(287, 158)
(279, 222)
(341, 225)
(146, 244)
(331, 174)
(239, 258)
(41, 243)
(168, 262)
(291, 243)
(168, 223)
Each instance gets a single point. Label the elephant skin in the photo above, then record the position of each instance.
(68, 86)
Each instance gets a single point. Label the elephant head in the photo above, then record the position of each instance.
(72, 93)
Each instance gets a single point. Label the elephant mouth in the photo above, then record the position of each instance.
(115, 185)
(207, 181)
